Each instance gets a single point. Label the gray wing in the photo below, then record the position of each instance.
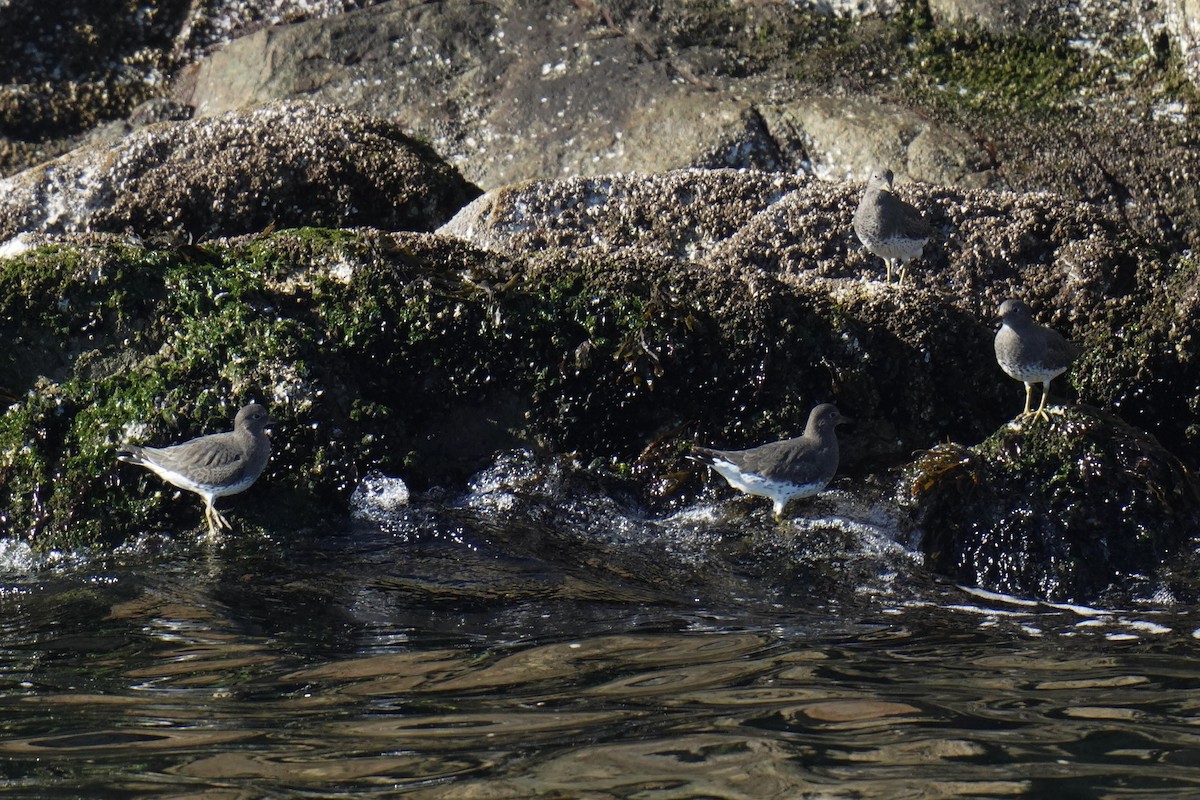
(210, 459)
(789, 460)
(1059, 351)
(902, 218)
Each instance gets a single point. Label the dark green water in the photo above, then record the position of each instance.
(411, 654)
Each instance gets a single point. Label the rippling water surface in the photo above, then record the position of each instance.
(464, 647)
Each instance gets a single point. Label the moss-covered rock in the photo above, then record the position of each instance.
(419, 355)
(1081, 508)
(619, 319)
(118, 342)
(408, 354)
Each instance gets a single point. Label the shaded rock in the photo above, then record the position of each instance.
(242, 172)
(1083, 508)
(67, 68)
(1141, 354)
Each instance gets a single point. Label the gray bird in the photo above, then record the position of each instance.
(787, 470)
(1030, 352)
(211, 466)
(889, 227)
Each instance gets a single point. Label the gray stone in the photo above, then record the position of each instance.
(1181, 19)
(683, 214)
(504, 94)
(240, 172)
(849, 137)
(997, 16)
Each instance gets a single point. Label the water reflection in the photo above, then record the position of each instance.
(420, 662)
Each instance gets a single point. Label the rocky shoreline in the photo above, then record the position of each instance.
(321, 259)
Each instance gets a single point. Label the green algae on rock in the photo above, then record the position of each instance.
(1083, 508)
(403, 353)
(153, 344)
(409, 354)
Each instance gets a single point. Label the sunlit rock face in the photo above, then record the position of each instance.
(238, 173)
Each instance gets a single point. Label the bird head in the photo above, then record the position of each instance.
(881, 180)
(1014, 313)
(253, 417)
(825, 417)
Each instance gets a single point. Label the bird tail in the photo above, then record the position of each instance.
(131, 453)
(704, 455)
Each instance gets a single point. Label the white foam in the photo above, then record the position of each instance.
(378, 495)
(18, 557)
(997, 596)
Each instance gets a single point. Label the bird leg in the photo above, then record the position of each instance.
(887, 262)
(903, 269)
(214, 519)
(1028, 400)
(1041, 409)
(212, 529)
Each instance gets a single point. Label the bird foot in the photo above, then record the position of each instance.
(216, 522)
(1038, 413)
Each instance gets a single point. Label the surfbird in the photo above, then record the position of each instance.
(787, 470)
(889, 227)
(1031, 352)
(211, 466)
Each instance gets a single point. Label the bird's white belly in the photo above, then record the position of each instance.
(204, 490)
(1029, 373)
(896, 247)
(780, 492)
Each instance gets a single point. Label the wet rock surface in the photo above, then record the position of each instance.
(664, 257)
(620, 319)
(1078, 508)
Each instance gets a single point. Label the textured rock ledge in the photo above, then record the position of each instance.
(620, 318)
(239, 173)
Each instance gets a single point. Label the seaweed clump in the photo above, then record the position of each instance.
(1083, 508)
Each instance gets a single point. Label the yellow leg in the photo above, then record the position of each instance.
(1028, 400)
(1041, 409)
(214, 519)
(212, 530)
(887, 262)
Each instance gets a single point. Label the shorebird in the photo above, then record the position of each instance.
(889, 227)
(211, 466)
(1031, 352)
(787, 470)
